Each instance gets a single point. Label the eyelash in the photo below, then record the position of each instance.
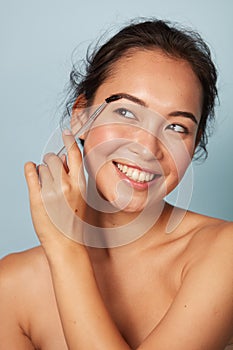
(173, 125)
(122, 112)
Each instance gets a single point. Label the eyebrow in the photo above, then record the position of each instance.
(184, 114)
(132, 98)
(140, 102)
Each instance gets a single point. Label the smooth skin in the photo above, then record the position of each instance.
(162, 291)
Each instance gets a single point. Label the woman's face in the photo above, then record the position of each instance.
(139, 148)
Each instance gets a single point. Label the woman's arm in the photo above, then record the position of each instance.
(201, 316)
(85, 320)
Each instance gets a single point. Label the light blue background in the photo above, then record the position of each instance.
(37, 40)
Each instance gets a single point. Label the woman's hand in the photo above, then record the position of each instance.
(56, 193)
(56, 198)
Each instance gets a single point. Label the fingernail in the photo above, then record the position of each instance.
(67, 132)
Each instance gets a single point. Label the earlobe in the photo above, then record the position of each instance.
(79, 115)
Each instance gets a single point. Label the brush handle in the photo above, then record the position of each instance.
(86, 125)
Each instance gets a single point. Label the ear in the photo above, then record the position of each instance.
(79, 115)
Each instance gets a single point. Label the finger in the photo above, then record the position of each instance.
(64, 162)
(54, 170)
(45, 176)
(33, 182)
(31, 176)
(73, 153)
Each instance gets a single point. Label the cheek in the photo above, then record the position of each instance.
(179, 157)
(100, 135)
(100, 143)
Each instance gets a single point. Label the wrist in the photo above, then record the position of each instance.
(63, 250)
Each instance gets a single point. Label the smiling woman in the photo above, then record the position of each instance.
(109, 274)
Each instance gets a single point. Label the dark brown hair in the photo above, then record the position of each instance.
(150, 34)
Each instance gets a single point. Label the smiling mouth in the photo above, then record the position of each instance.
(135, 174)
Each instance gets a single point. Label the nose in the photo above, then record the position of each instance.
(146, 145)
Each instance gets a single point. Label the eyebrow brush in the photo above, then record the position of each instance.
(92, 118)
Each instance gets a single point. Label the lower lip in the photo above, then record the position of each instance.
(137, 185)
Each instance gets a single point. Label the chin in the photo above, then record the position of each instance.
(136, 206)
(132, 209)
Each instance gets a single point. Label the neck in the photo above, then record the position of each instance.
(134, 240)
(109, 227)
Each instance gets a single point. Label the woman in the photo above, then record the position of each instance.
(123, 281)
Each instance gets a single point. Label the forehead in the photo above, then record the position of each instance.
(163, 82)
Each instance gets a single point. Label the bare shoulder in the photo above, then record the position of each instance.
(17, 267)
(29, 317)
(210, 236)
(23, 281)
(205, 294)
(21, 276)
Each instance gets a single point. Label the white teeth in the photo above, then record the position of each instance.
(124, 170)
(135, 174)
(142, 176)
(129, 172)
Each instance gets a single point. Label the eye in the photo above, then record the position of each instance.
(126, 113)
(177, 128)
